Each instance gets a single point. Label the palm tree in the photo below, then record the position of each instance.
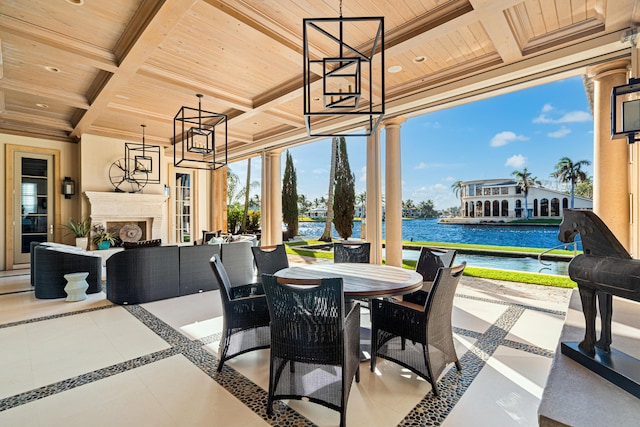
(525, 182)
(456, 187)
(245, 212)
(326, 235)
(233, 187)
(584, 188)
(567, 171)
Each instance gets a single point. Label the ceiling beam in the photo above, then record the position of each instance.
(48, 93)
(87, 53)
(166, 18)
(38, 120)
(181, 82)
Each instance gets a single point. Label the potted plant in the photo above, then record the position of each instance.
(101, 237)
(81, 230)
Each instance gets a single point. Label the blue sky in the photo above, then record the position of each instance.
(532, 128)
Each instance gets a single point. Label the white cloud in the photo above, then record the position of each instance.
(421, 165)
(542, 119)
(570, 117)
(546, 108)
(439, 188)
(449, 179)
(363, 174)
(320, 171)
(504, 138)
(516, 161)
(575, 117)
(563, 131)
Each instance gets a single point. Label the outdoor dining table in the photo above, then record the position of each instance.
(358, 279)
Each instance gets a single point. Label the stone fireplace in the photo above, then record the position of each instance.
(149, 211)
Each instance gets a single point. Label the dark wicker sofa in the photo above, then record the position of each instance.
(51, 261)
(145, 274)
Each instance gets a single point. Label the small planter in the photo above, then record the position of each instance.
(82, 242)
(104, 245)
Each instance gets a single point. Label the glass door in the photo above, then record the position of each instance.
(183, 207)
(33, 202)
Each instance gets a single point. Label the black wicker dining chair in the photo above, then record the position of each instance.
(270, 259)
(311, 333)
(351, 252)
(245, 317)
(429, 262)
(418, 336)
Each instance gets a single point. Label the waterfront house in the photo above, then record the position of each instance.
(502, 200)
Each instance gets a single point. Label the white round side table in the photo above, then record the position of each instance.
(76, 286)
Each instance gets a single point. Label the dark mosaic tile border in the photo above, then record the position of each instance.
(430, 411)
(55, 316)
(24, 291)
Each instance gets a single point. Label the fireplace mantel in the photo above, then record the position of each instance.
(112, 206)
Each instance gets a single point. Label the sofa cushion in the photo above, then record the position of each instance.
(142, 244)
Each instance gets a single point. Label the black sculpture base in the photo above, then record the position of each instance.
(616, 366)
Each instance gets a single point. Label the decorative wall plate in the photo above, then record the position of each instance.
(130, 233)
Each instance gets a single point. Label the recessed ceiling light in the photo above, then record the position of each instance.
(42, 105)
(419, 59)
(76, 2)
(395, 69)
(122, 96)
(52, 69)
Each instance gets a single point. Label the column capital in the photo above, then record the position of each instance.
(273, 152)
(394, 121)
(608, 68)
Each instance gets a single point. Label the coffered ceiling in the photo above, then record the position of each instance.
(70, 67)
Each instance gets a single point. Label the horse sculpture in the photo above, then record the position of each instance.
(605, 269)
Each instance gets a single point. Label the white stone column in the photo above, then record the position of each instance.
(611, 157)
(272, 194)
(276, 189)
(393, 192)
(374, 197)
(265, 208)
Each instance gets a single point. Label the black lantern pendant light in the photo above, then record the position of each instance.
(352, 75)
(142, 159)
(194, 133)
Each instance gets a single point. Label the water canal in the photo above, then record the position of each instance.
(428, 230)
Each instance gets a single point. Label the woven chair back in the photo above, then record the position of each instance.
(270, 259)
(351, 252)
(222, 277)
(429, 262)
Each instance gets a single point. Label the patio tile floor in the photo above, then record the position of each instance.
(92, 363)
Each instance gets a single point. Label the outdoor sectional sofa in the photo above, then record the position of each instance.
(145, 274)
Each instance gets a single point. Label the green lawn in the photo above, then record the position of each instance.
(485, 273)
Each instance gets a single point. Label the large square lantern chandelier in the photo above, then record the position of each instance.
(343, 75)
(195, 132)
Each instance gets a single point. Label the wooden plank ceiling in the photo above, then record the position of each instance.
(69, 67)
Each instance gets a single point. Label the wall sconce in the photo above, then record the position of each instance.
(625, 111)
(68, 187)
